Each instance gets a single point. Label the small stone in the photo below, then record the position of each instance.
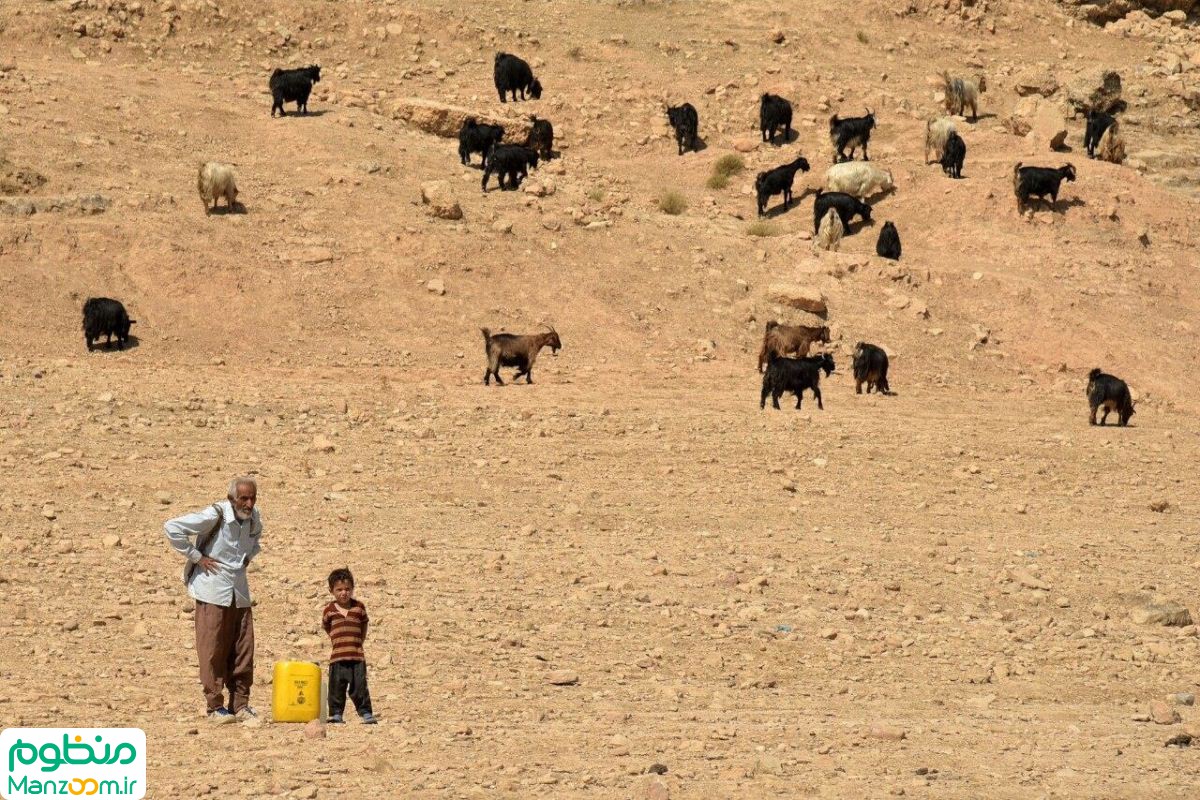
(320, 444)
(828, 633)
(562, 678)
(502, 226)
(1169, 614)
(1180, 740)
(111, 540)
(314, 730)
(1184, 698)
(1160, 506)
(746, 144)
(1163, 713)
(305, 792)
(48, 512)
(436, 286)
(656, 769)
(655, 789)
(441, 200)
(164, 498)
(767, 764)
(71, 625)
(888, 733)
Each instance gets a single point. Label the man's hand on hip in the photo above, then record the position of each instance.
(207, 564)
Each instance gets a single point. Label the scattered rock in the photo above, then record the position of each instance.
(1168, 613)
(562, 678)
(656, 769)
(1035, 81)
(321, 444)
(654, 788)
(441, 200)
(502, 226)
(1160, 506)
(444, 120)
(805, 298)
(314, 730)
(886, 732)
(164, 498)
(1047, 128)
(1163, 713)
(1179, 740)
(436, 286)
(110, 541)
(1095, 87)
(746, 144)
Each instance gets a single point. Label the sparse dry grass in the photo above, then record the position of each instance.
(672, 202)
(717, 181)
(761, 228)
(728, 165)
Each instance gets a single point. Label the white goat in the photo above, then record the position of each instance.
(963, 92)
(829, 236)
(937, 131)
(214, 182)
(858, 178)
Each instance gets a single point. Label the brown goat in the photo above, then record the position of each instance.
(785, 339)
(511, 350)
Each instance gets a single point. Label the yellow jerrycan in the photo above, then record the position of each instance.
(296, 691)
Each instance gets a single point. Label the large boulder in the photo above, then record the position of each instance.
(1035, 80)
(805, 298)
(440, 200)
(1094, 88)
(1048, 129)
(444, 120)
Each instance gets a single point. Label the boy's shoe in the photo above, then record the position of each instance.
(336, 719)
(245, 713)
(369, 719)
(221, 716)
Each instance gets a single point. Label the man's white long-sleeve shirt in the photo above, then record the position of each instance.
(234, 546)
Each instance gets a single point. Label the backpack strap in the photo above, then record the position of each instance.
(204, 542)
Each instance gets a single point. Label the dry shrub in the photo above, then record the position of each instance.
(673, 203)
(761, 228)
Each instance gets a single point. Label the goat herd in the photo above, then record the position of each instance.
(783, 358)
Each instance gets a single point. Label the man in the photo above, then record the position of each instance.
(227, 538)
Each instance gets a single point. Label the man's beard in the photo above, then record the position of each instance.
(240, 516)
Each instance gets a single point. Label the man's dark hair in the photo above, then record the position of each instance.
(339, 575)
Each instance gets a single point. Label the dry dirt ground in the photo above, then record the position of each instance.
(763, 602)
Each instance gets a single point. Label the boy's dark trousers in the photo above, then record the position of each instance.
(352, 676)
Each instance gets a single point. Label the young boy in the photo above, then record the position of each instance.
(345, 620)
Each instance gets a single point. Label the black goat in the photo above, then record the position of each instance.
(512, 350)
(888, 245)
(511, 160)
(871, 368)
(794, 375)
(851, 132)
(1110, 393)
(774, 112)
(1039, 182)
(1097, 123)
(103, 316)
(953, 155)
(541, 137)
(777, 180)
(476, 138)
(847, 206)
(512, 74)
(686, 123)
(293, 86)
